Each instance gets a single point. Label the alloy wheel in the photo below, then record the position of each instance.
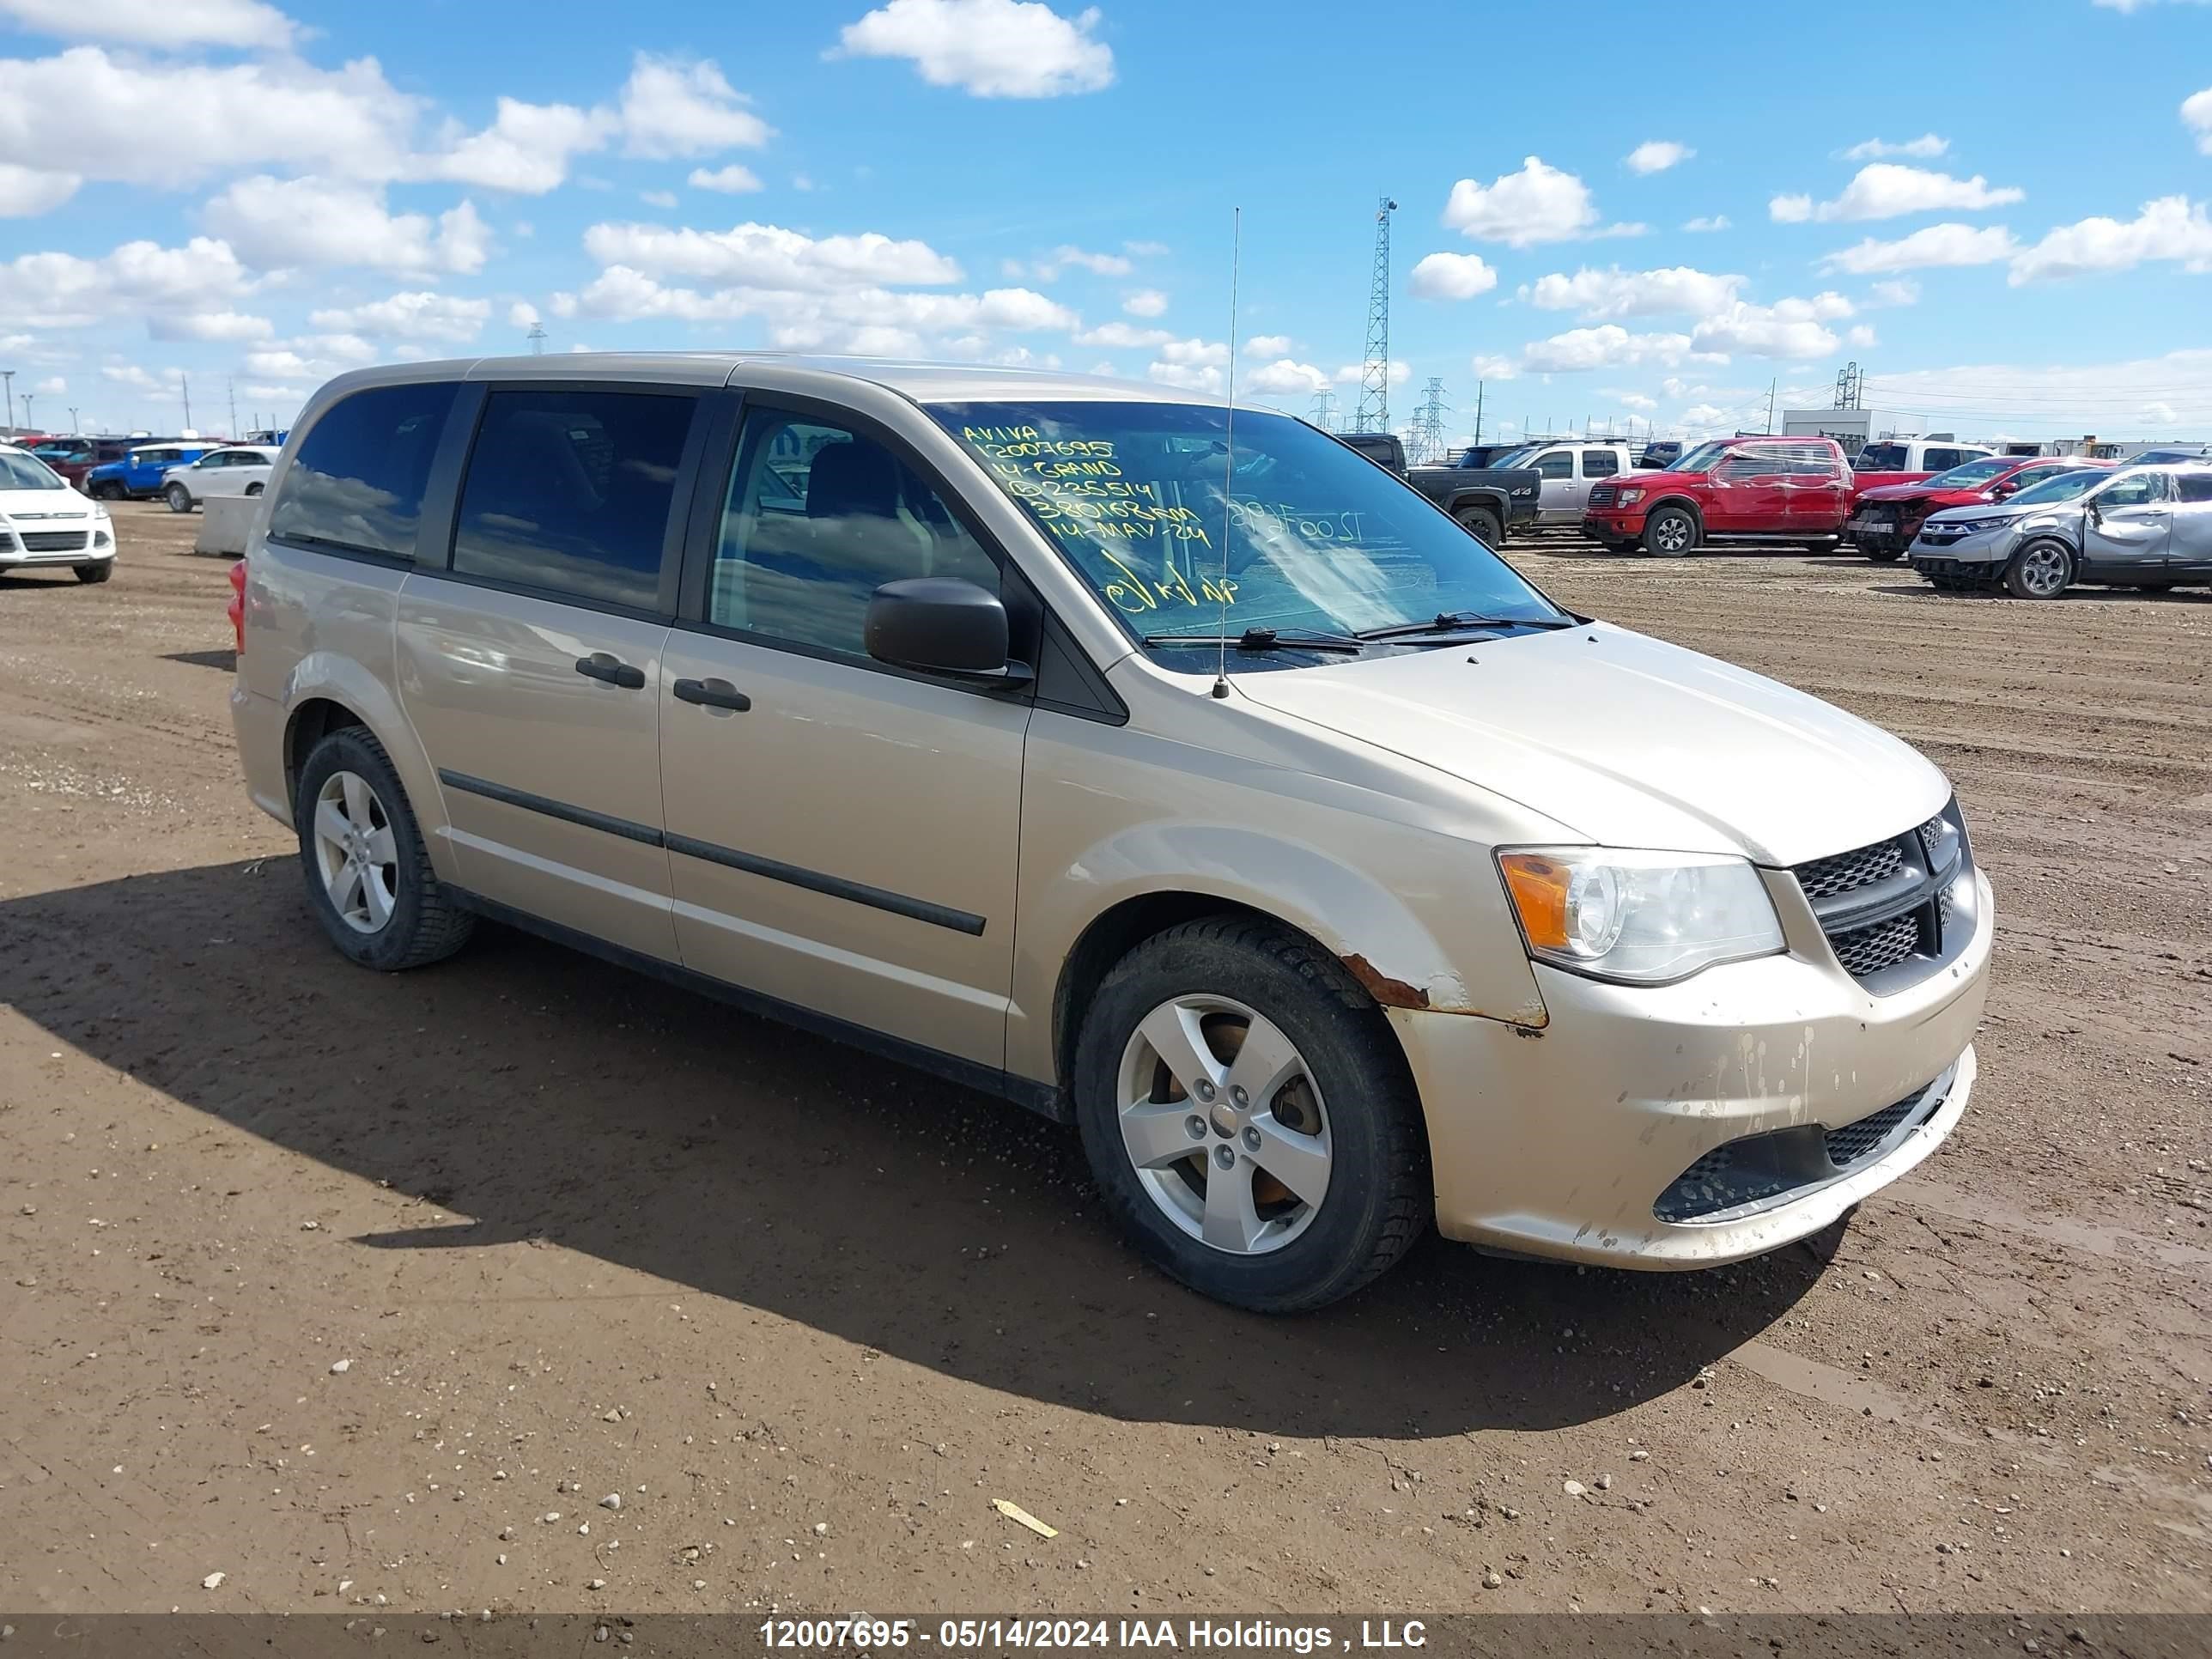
(1223, 1122)
(355, 852)
(2042, 570)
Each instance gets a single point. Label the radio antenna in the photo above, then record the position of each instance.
(1229, 462)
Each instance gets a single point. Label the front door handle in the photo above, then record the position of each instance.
(712, 694)
(610, 671)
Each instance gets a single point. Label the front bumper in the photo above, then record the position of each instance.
(1614, 525)
(23, 549)
(1982, 554)
(1568, 1141)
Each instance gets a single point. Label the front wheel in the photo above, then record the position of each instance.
(179, 498)
(1482, 524)
(2041, 570)
(1670, 533)
(95, 573)
(107, 491)
(1882, 555)
(368, 874)
(1250, 1117)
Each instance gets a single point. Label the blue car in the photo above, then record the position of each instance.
(139, 474)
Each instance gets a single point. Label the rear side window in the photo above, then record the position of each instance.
(1943, 460)
(1599, 464)
(357, 482)
(2195, 486)
(1884, 457)
(570, 491)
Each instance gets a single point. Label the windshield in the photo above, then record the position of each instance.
(20, 471)
(1512, 457)
(2064, 488)
(1967, 477)
(1317, 538)
(1701, 458)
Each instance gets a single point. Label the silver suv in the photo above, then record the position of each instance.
(2145, 527)
(1198, 784)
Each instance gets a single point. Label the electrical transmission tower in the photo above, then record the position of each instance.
(537, 338)
(1324, 409)
(1849, 388)
(1375, 376)
(1429, 420)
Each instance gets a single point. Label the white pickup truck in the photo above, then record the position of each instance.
(1568, 467)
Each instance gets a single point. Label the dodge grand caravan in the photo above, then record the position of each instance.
(1204, 787)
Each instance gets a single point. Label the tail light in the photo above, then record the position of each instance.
(236, 608)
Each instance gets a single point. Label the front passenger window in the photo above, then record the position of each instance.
(1559, 464)
(819, 516)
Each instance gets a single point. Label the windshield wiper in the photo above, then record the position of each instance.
(1267, 638)
(1454, 621)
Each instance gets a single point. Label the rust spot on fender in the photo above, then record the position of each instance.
(1390, 993)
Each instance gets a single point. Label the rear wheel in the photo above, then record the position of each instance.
(1482, 524)
(253, 490)
(107, 491)
(179, 498)
(2041, 570)
(368, 875)
(1880, 555)
(95, 573)
(1248, 1117)
(1670, 533)
(1826, 545)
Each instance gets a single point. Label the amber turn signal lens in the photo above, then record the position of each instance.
(1539, 887)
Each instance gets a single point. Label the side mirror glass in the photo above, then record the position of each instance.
(941, 625)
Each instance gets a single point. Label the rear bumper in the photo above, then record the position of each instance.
(259, 722)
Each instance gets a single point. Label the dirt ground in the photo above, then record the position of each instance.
(378, 1290)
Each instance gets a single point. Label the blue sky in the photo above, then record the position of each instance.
(1607, 215)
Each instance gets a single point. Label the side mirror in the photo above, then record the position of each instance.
(2002, 489)
(941, 625)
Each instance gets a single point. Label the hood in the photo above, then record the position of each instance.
(1979, 510)
(1914, 492)
(34, 505)
(1628, 741)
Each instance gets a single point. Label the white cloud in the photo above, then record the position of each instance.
(1898, 291)
(52, 386)
(1793, 330)
(1488, 366)
(225, 325)
(1601, 295)
(1707, 222)
(732, 180)
(1635, 400)
(1195, 354)
(1099, 265)
(2170, 228)
(163, 384)
(84, 111)
(672, 110)
(1935, 247)
(1538, 204)
(522, 314)
(1703, 417)
(1606, 346)
(991, 48)
(1184, 375)
(1124, 337)
(2057, 399)
(1926, 147)
(1286, 377)
(2197, 116)
(1862, 336)
(1145, 250)
(412, 316)
(1270, 345)
(1145, 302)
(660, 198)
(62, 290)
(141, 24)
(527, 148)
(26, 193)
(1657, 154)
(281, 223)
(1886, 189)
(769, 255)
(1399, 373)
(1451, 276)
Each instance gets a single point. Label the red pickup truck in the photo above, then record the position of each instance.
(1766, 489)
(1884, 520)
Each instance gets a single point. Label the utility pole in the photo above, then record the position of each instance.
(1771, 385)
(185, 383)
(230, 385)
(1375, 372)
(1478, 411)
(9, 375)
(76, 425)
(30, 398)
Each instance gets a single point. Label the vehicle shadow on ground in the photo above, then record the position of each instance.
(225, 659)
(542, 1095)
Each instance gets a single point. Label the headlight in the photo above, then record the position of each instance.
(1975, 526)
(1644, 918)
(1629, 497)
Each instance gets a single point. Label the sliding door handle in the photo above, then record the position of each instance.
(610, 671)
(712, 694)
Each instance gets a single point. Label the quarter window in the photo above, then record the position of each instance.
(356, 483)
(571, 490)
(817, 518)
(2195, 486)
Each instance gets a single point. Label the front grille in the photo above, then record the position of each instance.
(52, 541)
(1855, 1142)
(1865, 950)
(1890, 905)
(1604, 495)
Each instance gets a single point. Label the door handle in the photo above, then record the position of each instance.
(610, 671)
(712, 694)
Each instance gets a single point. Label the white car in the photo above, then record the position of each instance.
(239, 470)
(43, 521)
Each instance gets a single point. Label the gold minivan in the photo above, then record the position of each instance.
(1186, 778)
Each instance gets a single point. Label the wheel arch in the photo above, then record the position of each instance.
(1688, 503)
(326, 692)
(1491, 501)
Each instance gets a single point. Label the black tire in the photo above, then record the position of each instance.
(1671, 532)
(1880, 554)
(179, 498)
(107, 491)
(95, 573)
(253, 490)
(425, 925)
(1827, 544)
(1379, 1199)
(1482, 524)
(2026, 575)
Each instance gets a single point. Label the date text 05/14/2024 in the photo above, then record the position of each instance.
(997, 1635)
